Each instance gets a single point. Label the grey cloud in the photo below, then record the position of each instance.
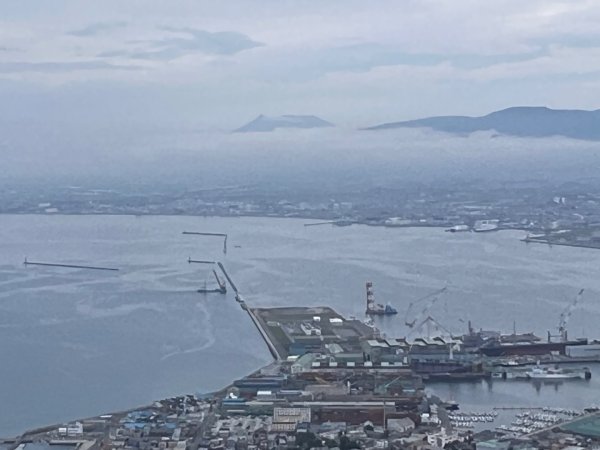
(366, 56)
(59, 66)
(97, 28)
(195, 41)
(113, 54)
(472, 61)
(220, 42)
(573, 40)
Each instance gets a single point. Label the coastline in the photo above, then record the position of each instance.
(224, 388)
(322, 221)
(256, 320)
(340, 222)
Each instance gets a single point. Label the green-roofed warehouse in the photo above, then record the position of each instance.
(586, 426)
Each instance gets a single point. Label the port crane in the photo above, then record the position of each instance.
(430, 325)
(429, 300)
(222, 289)
(564, 317)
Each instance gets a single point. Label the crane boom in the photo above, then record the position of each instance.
(431, 298)
(566, 314)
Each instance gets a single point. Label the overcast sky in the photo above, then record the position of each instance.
(217, 64)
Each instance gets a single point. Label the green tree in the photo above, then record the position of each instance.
(308, 440)
(347, 444)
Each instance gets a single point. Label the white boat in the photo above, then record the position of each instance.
(486, 225)
(458, 228)
(548, 373)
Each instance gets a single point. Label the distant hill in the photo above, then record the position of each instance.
(523, 121)
(265, 123)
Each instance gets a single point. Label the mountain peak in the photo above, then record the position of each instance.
(264, 123)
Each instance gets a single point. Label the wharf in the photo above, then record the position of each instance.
(554, 360)
(253, 316)
(261, 329)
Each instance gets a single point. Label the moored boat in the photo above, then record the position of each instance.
(553, 373)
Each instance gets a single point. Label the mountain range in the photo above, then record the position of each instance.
(525, 121)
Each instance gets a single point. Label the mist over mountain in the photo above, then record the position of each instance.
(264, 123)
(327, 158)
(521, 121)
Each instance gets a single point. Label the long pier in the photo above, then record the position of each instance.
(203, 233)
(264, 334)
(314, 224)
(69, 266)
(199, 261)
(256, 320)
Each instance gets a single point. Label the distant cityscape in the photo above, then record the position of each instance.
(563, 215)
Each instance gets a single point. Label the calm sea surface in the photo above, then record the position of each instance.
(76, 343)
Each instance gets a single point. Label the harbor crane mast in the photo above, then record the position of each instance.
(430, 300)
(222, 289)
(566, 315)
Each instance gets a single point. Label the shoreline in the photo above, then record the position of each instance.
(256, 320)
(322, 221)
(250, 311)
(339, 222)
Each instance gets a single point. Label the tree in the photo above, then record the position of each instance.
(347, 444)
(308, 440)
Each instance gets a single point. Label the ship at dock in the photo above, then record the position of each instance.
(554, 373)
(519, 344)
(458, 228)
(528, 344)
(486, 225)
(493, 344)
(431, 351)
(542, 373)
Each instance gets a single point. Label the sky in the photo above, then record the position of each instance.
(216, 65)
